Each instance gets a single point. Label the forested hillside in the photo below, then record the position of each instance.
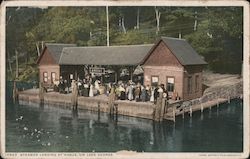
(215, 32)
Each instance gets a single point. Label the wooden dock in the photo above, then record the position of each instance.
(162, 110)
(172, 112)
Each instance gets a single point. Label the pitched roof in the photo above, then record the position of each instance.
(183, 51)
(103, 55)
(56, 49)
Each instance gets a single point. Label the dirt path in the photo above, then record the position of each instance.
(216, 80)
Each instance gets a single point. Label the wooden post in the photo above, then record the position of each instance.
(201, 107)
(74, 95)
(116, 77)
(111, 101)
(15, 92)
(116, 112)
(174, 108)
(162, 110)
(107, 19)
(17, 66)
(183, 112)
(158, 107)
(228, 100)
(41, 93)
(131, 68)
(191, 111)
(98, 106)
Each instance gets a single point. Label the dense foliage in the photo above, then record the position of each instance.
(215, 32)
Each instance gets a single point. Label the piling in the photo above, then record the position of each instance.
(41, 93)
(201, 108)
(15, 92)
(228, 99)
(183, 111)
(116, 111)
(163, 105)
(74, 95)
(158, 107)
(190, 111)
(174, 108)
(111, 101)
(98, 106)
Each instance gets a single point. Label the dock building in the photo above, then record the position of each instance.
(170, 61)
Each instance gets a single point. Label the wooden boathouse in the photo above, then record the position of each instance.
(48, 62)
(176, 64)
(170, 61)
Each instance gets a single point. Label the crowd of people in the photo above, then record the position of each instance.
(137, 92)
(123, 91)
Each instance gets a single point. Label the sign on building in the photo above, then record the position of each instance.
(97, 70)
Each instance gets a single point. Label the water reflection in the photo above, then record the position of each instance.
(44, 128)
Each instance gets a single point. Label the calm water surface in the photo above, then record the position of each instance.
(52, 129)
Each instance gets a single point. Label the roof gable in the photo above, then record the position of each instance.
(183, 51)
(55, 49)
(161, 56)
(46, 58)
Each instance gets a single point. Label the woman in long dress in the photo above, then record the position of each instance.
(152, 95)
(130, 92)
(91, 93)
(143, 94)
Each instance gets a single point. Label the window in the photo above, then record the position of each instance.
(53, 77)
(197, 82)
(154, 80)
(71, 76)
(170, 84)
(45, 77)
(189, 89)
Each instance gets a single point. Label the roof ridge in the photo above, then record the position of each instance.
(59, 44)
(107, 46)
(166, 37)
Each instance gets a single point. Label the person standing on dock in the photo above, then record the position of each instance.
(165, 92)
(91, 93)
(97, 86)
(137, 93)
(152, 94)
(143, 94)
(156, 94)
(122, 92)
(130, 92)
(147, 89)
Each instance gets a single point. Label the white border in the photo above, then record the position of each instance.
(246, 29)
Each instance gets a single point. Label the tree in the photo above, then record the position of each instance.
(219, 39)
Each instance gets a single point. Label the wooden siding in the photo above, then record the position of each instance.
(163, 72)
(49, 69)
(162, 56)
(47, 58)
(163, 63)
(195, 75)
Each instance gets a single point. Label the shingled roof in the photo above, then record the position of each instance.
(69, 54)
(56, 49)
(183, 51)
(103, 55)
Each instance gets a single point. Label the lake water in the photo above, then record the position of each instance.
(52, 129)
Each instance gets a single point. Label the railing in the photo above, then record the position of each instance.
(180, 107)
